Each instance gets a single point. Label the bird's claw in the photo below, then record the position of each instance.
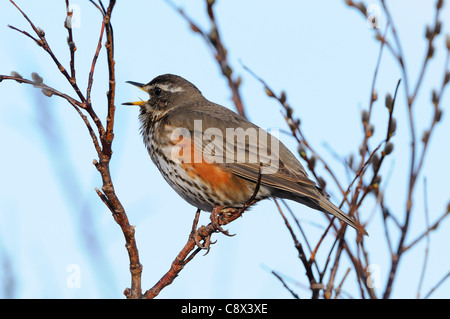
(202, 235)
(217, 215)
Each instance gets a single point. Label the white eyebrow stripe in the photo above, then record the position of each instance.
(170, 88)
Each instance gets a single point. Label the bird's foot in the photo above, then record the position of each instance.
(222, 216)
(202, 239)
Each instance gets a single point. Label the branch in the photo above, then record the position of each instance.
(314, 285)
(106, 136)
(47, 90)
(440, 282)
(44, 44)
(193, 246)
(219, 216)
(214, 41)
(284, 284)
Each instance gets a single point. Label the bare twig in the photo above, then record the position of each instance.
(285, 285)
(339, 288)
(429, 229)
(44, 44)
(427, 248)
(46, 89)
(439, 283)
(213, 39)
(314, 285)
(72, 47)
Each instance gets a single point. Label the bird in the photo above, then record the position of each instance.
(213, 157)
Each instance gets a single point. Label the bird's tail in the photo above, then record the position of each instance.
(329, 207)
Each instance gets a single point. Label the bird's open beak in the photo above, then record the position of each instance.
(139, 85)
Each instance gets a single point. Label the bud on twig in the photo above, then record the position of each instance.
(376, 181)
(68, 21)
(227, 70)
(388, 148)
(16, 75)
(238, 81)
(375, 161)
(351, 160)
(447, 77)
(301, 150)
(392, 126)
(269, 92)
(438, 115)
(425, 136)
(71, 44)
(37, 78)
(40, 32)
(437, 27)
(364, 116)
(213, 36)
(289, 111)
(430, 51)
(374, 95)
(388, 101)
(434, 98)
(282, 97)
(369, 130)
(428, 32)
(47, 92)
(192, 26)
(361, 150)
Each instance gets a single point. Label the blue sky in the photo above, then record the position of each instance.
(51, 221)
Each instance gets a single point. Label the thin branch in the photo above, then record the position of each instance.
(72, 47)
(214, 42)
(328, 290)
(285, 285)
(44, 44)
(49, 91)
(314, 285)
(427, 247)
(339, 288)
(38, 42)
(94, 61)
(439, 283)
(429, 229)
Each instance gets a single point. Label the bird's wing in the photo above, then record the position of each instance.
(242, 147)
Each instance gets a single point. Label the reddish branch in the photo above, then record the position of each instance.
(220, 216)
(193, 246)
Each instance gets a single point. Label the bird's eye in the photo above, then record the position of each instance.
(157, 91)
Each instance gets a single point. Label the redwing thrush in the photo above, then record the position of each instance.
(211, 156)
